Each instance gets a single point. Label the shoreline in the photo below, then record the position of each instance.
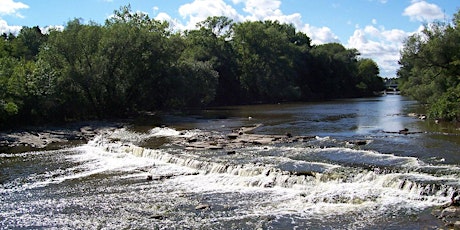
(53, 137)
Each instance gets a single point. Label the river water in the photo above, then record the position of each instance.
(392, 182)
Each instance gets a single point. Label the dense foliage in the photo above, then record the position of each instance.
(430, 68)
(133, 63)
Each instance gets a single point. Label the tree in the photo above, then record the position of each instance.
(27, 44)
(334, 68)
(429, 68)
(211, 43)
(368, 77)
(267, 53)
(134, 63)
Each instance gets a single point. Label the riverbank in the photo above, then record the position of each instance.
(53, 137)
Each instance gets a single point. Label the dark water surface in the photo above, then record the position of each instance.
(392, 182)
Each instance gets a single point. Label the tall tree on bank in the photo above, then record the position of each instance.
(134, 63)
(430, 68)
(210, 46)
(267, 57)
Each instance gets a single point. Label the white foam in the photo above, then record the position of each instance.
(285, 193)
(31, 153)
(364, 157)
(326, 138)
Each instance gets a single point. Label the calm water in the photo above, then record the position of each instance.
(393, 182)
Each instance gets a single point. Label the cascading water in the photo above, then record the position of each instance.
(155, 180)
(336, 175)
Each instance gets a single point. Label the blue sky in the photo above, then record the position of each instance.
(377, 28)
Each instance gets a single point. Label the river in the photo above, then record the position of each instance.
(393, 181)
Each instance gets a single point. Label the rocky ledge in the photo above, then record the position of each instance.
(236, 139)
(42, 137)
(450, 213)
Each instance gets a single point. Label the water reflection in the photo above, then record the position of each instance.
(384, 115)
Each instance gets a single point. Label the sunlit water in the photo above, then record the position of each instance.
(393, 182)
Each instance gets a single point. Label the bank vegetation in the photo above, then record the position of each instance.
(133, 63)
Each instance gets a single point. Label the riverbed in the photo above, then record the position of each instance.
(356, 170)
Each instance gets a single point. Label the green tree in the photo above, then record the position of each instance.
(210, 44)
(335, 69)
(368, 77)
(266, 60)
(429, 68)
(28, 42)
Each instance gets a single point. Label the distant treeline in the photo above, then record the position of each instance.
(430, 68)
(133, 63)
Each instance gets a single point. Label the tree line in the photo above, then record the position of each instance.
(430, 68)
(133, 63)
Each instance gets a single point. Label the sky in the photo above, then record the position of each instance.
(376, 28)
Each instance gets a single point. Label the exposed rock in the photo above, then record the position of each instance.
(202, 207)
(404, 131)
(191, 140)
(157, 217)
(236, 139)
(304, 173)
(455, 199)
(42, 137)
(168, 176)
(233, 136)
(357, 142)
(450, 213)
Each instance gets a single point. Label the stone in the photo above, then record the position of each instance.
(450, 211)
(357, 142)
(233, 136)
(304, 173)
(404, 131)
(157, 217)
(202, 207)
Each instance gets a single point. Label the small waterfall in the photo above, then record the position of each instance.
(342, 184)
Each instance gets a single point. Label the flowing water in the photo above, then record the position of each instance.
(392, 182)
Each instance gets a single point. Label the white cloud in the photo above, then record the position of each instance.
(199, 10)
(47, 29)
(320, 35)
(174, 24)
(381, 45)
(255, 10)
(5, 28)
(262, 10)
(10, 7)
(423, 11)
